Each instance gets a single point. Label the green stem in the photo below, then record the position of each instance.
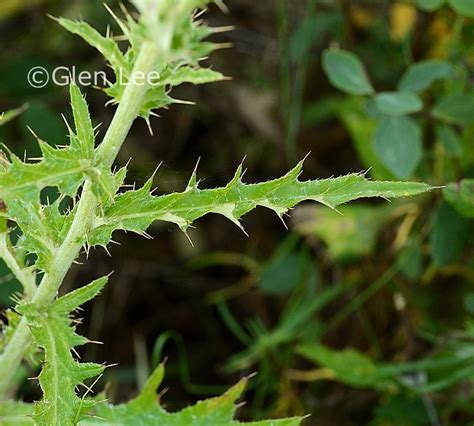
(69, 250)
(130, 105)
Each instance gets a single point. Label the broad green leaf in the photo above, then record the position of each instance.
(398, 103)
(398, 143)
(461, 196)
(61, 373)
(429, 5)
(346, 72)
(450, 140)
(448, 236)
(145, 410)
(463, 7)
(357, 227)
(237, 199)
(457, 108)
(421, 75)
(348, 366)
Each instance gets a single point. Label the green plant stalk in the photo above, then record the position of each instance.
(69, 250)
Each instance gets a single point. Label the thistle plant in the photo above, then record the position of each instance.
(39, 241)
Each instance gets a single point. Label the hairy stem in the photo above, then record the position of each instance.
(130, 105)
(69, 250)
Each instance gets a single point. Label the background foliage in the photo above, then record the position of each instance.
(364, 318)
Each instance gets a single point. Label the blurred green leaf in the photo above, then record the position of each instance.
(469, 303)
(457, 108)
(16, 413)
(461, 197)
(351, 111)
(286, 270)
(398, 143)
(311, 31)
(463, 7)
(346, 72)
(348, 366)
(398, 103)
(361, 129)
(450, 140)
(410, 261)
(293, 325)
(448, 236)
(10, 115)
(400, 410)
(421, 75)
(356, 227)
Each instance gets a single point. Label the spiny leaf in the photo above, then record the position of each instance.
(105, 45)
(45, 226)
(191, 75)
(136, 210)
(73, 300)
(82, 121)
(43, 229)
(61, 373)
(60, 167)
(181, 65)
(145, 410)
